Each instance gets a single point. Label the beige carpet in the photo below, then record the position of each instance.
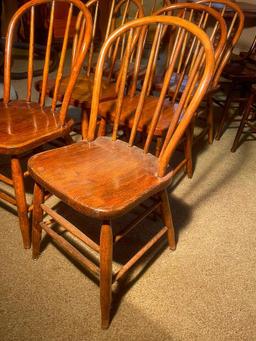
(205, 290)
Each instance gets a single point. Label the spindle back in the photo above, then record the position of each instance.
(234, 18)
(204, 17)
(184, 106)
(83, 36)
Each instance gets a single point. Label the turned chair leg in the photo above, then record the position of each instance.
(22, 207)
(37, 218)
(225, 113)
(245, 117)
(167, 218)
(210, 120)
(106, 251)
(188, 150)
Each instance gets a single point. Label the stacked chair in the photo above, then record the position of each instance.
(136, 111)
(238, 76)
(248, 119)
(235, 22)
(234, 19)
(209, 20)
(120, 12)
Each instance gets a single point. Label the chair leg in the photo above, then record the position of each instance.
(188, 151)
(106, 251)
(245, 117)
(37, 218)
(210, 120)
(225, 113)
(167, 218)
(19, 189)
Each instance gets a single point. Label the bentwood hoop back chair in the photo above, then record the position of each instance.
(120, 12)
(106, 177)
(25, 124)
(234, 17)
(213, 23)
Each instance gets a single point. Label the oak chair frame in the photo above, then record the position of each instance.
(122, 154)
(24, 144)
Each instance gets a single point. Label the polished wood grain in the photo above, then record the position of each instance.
(105, 177)
(97, 200)
(26, 125)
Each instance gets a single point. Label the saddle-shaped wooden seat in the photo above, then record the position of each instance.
(111, 189)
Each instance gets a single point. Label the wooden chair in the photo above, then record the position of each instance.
(106, 177)
(234, 18)
(239, 75)
(120, 13)
(248, 119)
(249, 55)
(27, 125)
(214, 24)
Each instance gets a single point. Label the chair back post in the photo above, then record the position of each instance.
(199, 79)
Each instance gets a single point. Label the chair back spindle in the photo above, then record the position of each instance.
(31, 53)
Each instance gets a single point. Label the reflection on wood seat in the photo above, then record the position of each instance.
(25, 126)
(82, 94)
(129, 108)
